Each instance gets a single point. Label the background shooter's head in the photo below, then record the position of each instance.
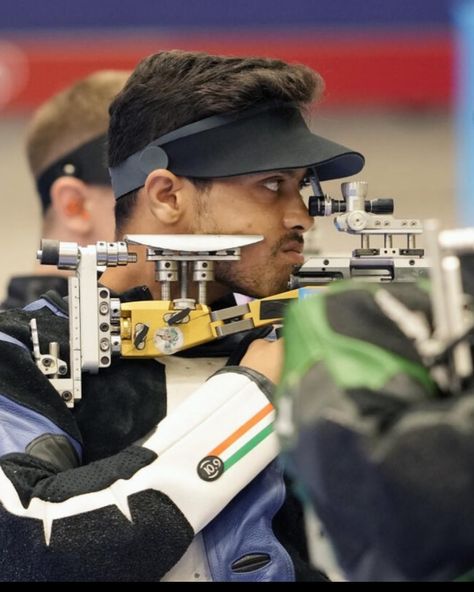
(66, 151)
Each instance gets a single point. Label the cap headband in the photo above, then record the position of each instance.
(87, 162)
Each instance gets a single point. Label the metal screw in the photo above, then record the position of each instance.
(69, 169)
(104, 326)
(104, 308)
(104, 344)
(46, 362)
(66, 395)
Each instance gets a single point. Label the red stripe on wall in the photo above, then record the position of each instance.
(396, 70)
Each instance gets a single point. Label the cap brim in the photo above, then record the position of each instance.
(265, 143)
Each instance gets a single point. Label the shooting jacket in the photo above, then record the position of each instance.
(126, 486)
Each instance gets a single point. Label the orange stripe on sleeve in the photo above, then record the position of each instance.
(240, 431)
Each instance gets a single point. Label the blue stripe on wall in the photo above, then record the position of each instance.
(30, 14)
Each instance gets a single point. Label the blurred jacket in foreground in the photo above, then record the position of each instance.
(386, 458)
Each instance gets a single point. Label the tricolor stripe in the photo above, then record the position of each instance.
(246, 437)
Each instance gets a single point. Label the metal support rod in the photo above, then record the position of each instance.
(455, 315)
(184, 279)
(202, 292)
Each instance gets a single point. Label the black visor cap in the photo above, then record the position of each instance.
(272, 138)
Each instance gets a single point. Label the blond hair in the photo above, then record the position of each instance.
(72, 117)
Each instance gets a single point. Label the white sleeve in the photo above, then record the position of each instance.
(214, 443)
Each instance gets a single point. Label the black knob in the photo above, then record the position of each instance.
(49, 253)
(380, 205)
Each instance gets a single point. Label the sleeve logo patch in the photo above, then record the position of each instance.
(210, 468)
(243, 440)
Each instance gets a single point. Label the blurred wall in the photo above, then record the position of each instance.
(391, 53)
(388, 68)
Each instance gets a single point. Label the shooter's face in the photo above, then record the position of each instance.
(268, 204)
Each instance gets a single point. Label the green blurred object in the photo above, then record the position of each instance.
(350, 362)
(384, 456)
